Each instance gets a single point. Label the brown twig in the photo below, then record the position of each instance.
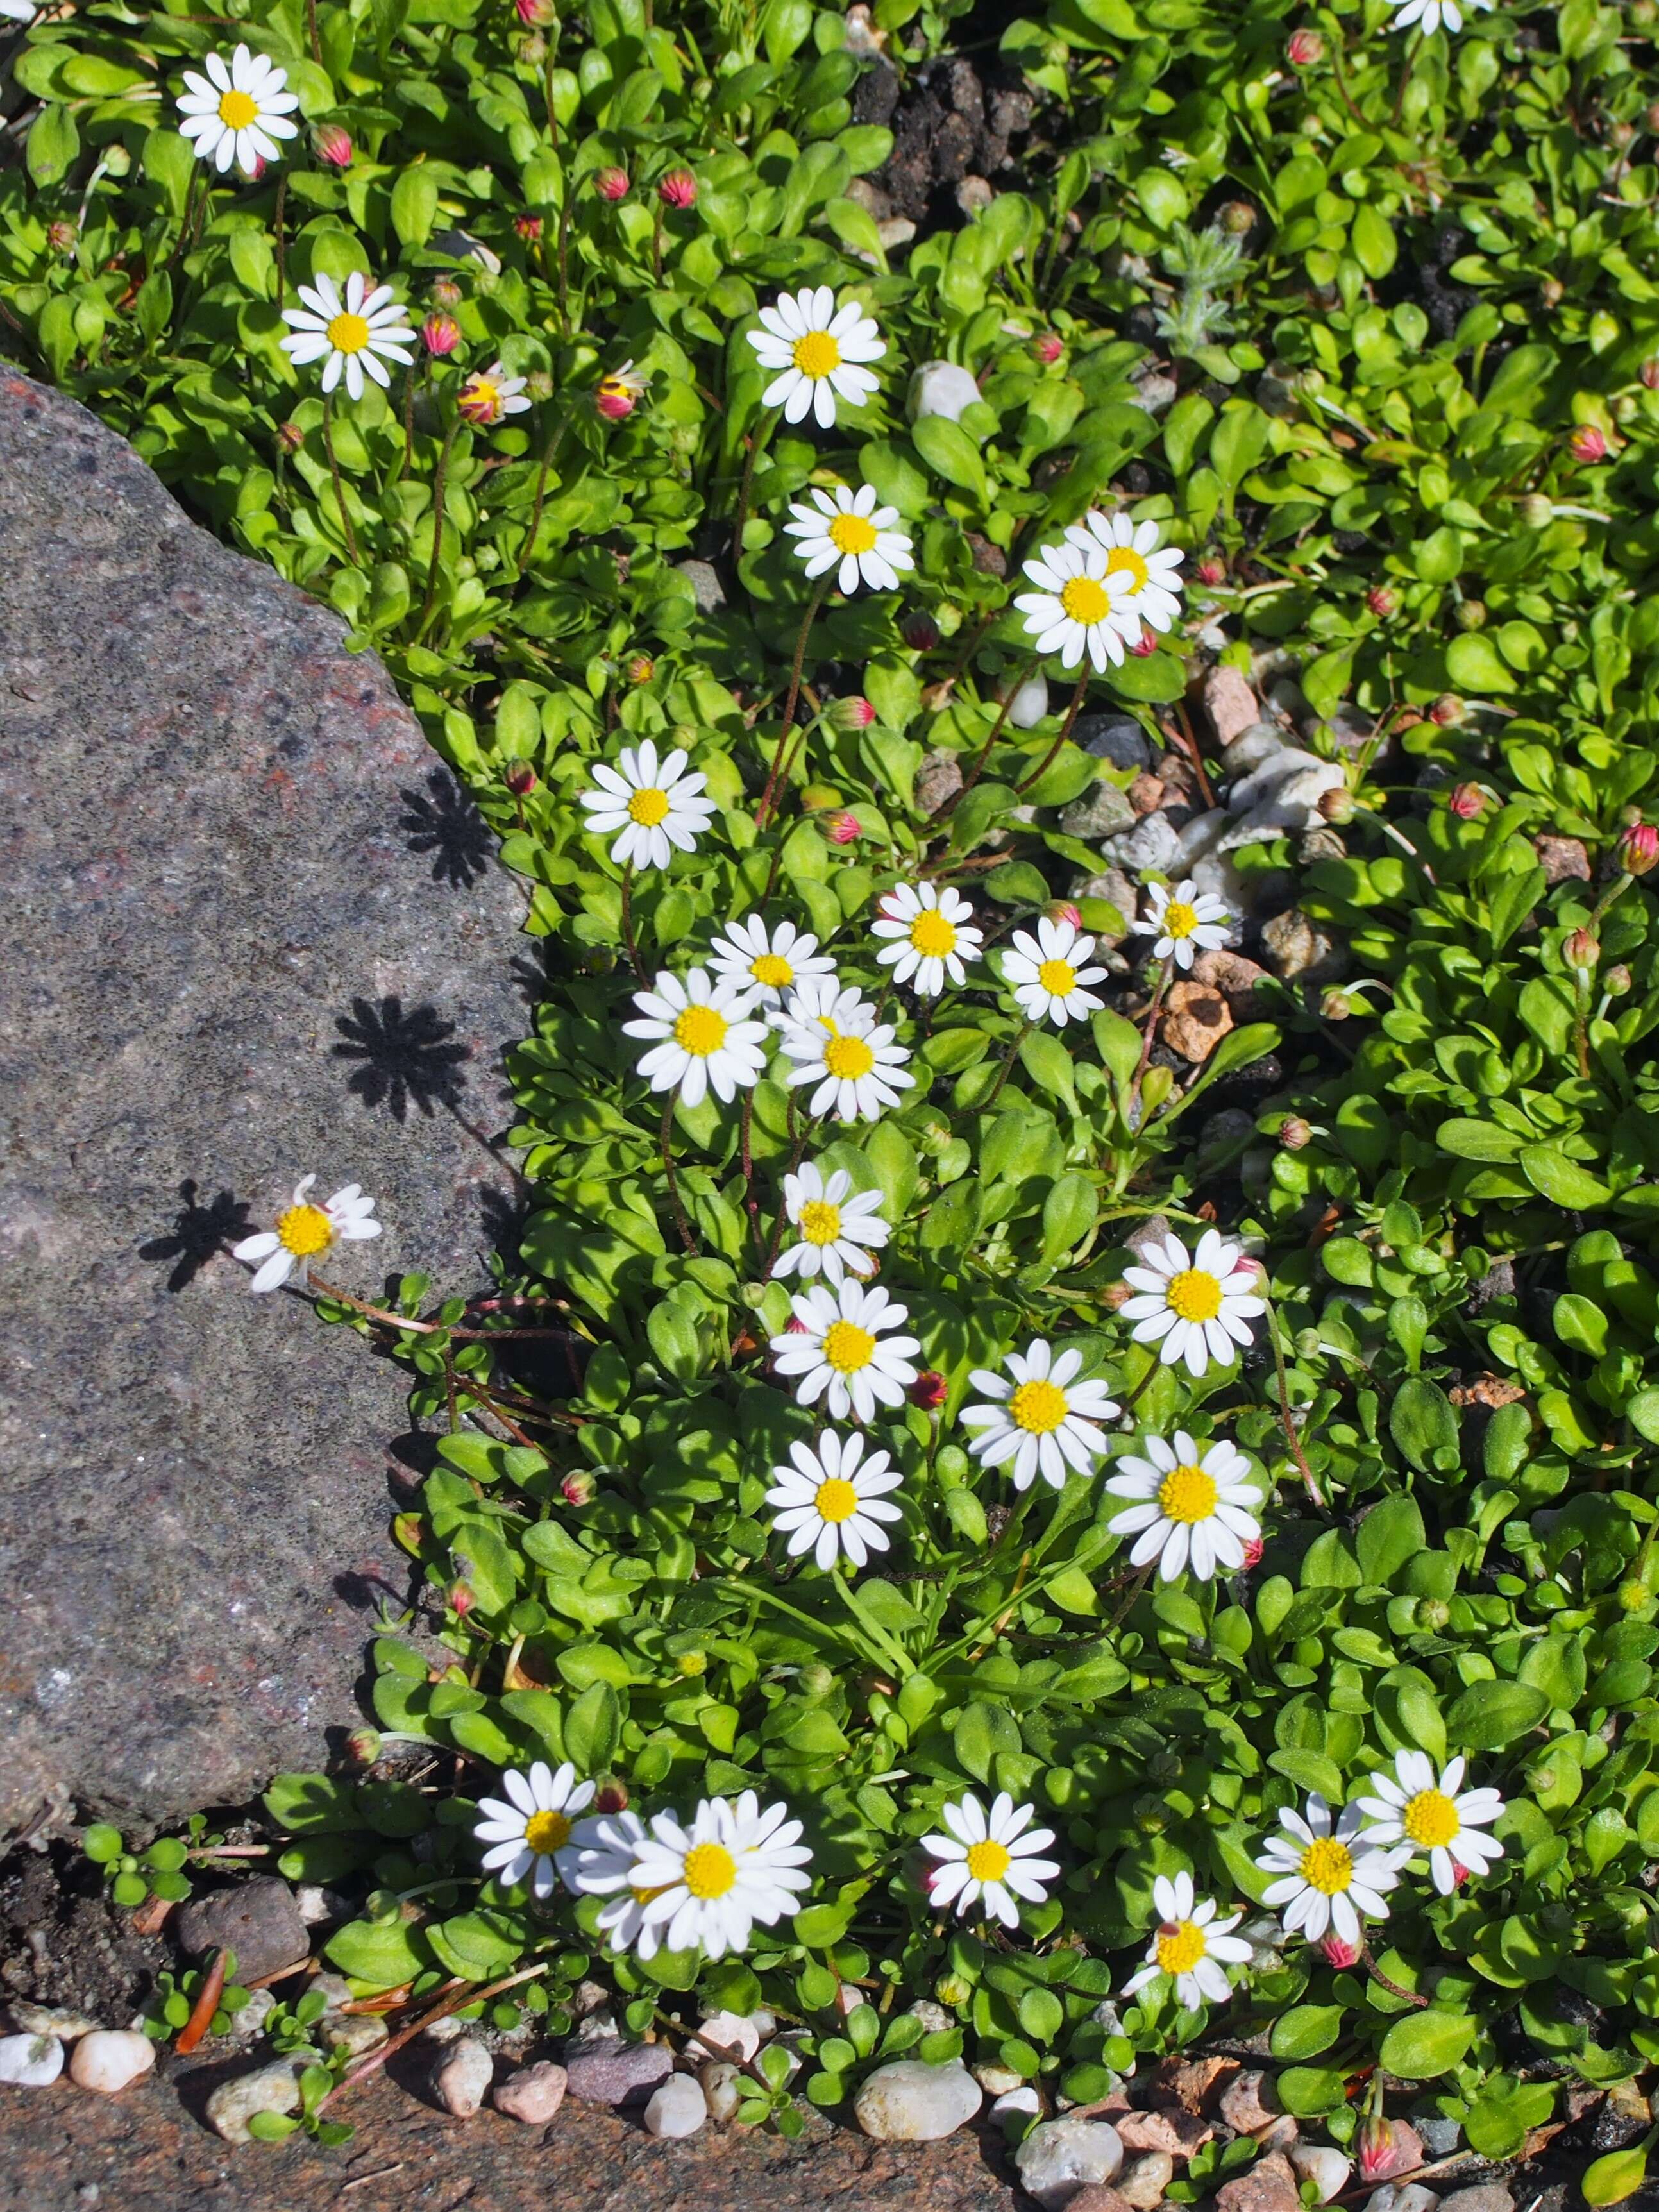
(820, 592)
(458, 1993)
(1053, 753)
(206, 2004)
(1315, 1497)
(684, 1226)
(1409, 1996)
(628, 939)
(1192, 754)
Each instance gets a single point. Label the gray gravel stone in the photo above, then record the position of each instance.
(610, 2072)
(259, 1920)
(1101, 812)
(910, 2102)
(250, 932)
(1486, 2196)
(706, 586)
(1115, 738)
(1152, 846)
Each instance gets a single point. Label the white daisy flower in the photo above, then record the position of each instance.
(529, 1837)
(305, 1231)
(1327, 1879)
(1079, 608)
(839, 1227)
(820, 352)
(238, 111)
(1048, 973)
(770, 963)
(702, 1039)
(829, 1500)
(1184, 921)
(989, 1859)
(1426, 1812)
(362, 331)
(1192, 1507)
(1432, 15)
(1197, 1309)
(849, 527)
(703, 1885)
(654, 803)
(933, 933)
(842, 1352)
(603, 1851)
(488, 395)
(1151, 572)
(830, 1032)
(1043, 1419)
(1190, 1946)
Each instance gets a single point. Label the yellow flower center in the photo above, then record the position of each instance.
(816, 354)
(932, 935)
(699, 1031)
(348, 333)
(772, 970)
(1187, 1494)
(1086, 601)
(647, 806)
(710, 1870)
(547, 1832)
(645, 1896)
(1037, 1407)
(848, 1058)
(304, 1230)
(820, 1222)
(1194, 1294)
(847, 1347)
(480, 396)
(1124, 561)
(1431, 1819)
(1180, 1946)
(1057, 978)
(852, 533)
(837, 1500)
(1179, 919)
(989, 1861)
(1327, 1866)
(237, 110)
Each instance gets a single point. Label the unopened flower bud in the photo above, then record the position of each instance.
(1237, 217)
(1253, 1547)
(918, 630)
(928, 1390)
(290, 437)
(521, 779)
(1337, 806)
(1617, 981)
(1471, 613)
(364, 1747)
(1338, 1954)
(611, 184)
(1649, 372)
(640, 669)
(1634, 1595)
(852, 713)
(332, 142)
(528, 227)
(1580, 950)
(678, 189)
(1587, 444)
(1063, 910)
(1145, 645)
(445, 293)
(1467, 801)
(954, 1990)
(440, 335)
(577, 1488)
(1115, 1297)
(1306, 48)
(1334, 1006)
(1431, 1615)
(461, 1598)
(1447, 710)
(536, 14)
(1294, 1133)
(256, 174)
(1638, 849)
(816, 1680)
(1536, 510)
(1382, 601)
(1047, 346)
(538, 385)
(532, 51)
(1213, 572)
(842, 828)
(1378, 2152)
(690, 1664)
(611, 1795)
(61, 235)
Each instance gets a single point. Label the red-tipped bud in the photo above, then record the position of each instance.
(260, 165)
(1048, 347)
(610, 1795)
(536, 14)
(440, 335)
(1305, 49)
(1587, 444)
(1115, 1297)
(1638, 849)
(611, 184)
(1339, 1954)
(1294, 1133)
(1145, 645)
(577, 1488)
(1459, 1875)
(1580, 950)
(1467, 801)
(446, 293)
(461, 1599)
(929, 1391)
(1447, 710)
(640, 669)
(1063, 910)
(918, 630)
(1253, 1547)
(854, 714)
(332, 142)
(1650, 373)
(678, 189)
(1211, 572)
(842, 828)
(61, 235)
(1382, 601)
(521, 778)
(529, 227)
(364, 1747)
(290, 437)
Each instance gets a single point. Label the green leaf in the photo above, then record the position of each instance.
(1423, 1422)
(1562, 1181)
(1489, 1715)
(1618, 2175)
(1426, 2043)
(1512, 901)
(382, 1957)
(1306, 2030)
(1069, 1213)
(480, 1947)
(414, 205)
(593, 1729)
(1474, 664)
(52, 145)
(671, 1332)
(1049, 1063)
(1390, 1534)
(951, 454)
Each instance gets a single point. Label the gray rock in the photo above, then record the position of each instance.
(1486, 2196)
(1101, 812)
(706, 586)
(1280, 797)
(1299, 952)
(225, 837)
(1215, 872)
(1198, 837)
(678, 2108)
(1440, 2136)
(1401, 2197)
(258, 1920)
(273, 2089)
(1151, 848)
(910, 2102)
(612, 2072)
(1256, 743)
(1155, 393)
(1060, 2157)
(937, 779)
(1115, 738)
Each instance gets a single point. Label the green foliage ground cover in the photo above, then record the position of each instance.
(1401, 286)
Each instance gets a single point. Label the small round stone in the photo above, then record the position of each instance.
(719, 2079)
(1023, 2100)
(30, 2062)
(1062, 2156)
(1324, 2166)
(50, 2020)
(233, 2104)
(678, 2108)
(109, 2058)
(729, 2031)
(532, 2095)
(1143, 2181)
(909, 2101)
(461, 2078)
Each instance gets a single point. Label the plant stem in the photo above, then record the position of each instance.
(1150, 1033)
(1409, 1996)
(1406, 66)
(1192, 754)
(752, 443)
(628, 939)
(279, 221)
(684, 1224)
(1008, 1059)
(820, 592)
(746, 1154)
(946, 807)
(464, 1993)
(656, 247)
(1049, 757)
(438, 483)
(1314, 1495)
(316, 42)
(339, 487)
(564, 259)
(882, 1642)
(555, 440)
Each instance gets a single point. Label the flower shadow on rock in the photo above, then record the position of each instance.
(443, 821)
(403, 1057)
(201, 1228)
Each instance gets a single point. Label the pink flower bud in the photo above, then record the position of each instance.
(1467, 801)
(1294, 1133)
(61, 234)
(678, 189)
(854, 714)
(290, 437)
(842, 828)
(610, 1795)
(1211, 572)
(1145, 645)
(1381, 601)
(440, 335)
(1115, 1297)
(918, 630)
(528, 227)
(521, 778)
(640, 669)
(1048, 347)
(1459, 1875)
(577, 1487)
(1386, 2147)
(1253, 1547)
(536, 14)
(445, 293)
(1305, 49)
(1063, 910)
(793, 1327)
(1650, 373)
(260, 165)
(364, 1747)
(617, 395)
(928, 1390)
(461, 1599)
(332, 142)
(1587, 444)
(1447, 710)
(611, 184)
(1638, 849)
(1580, 950)
(1338, 1954)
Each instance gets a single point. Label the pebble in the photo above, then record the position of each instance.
(909, 2101)
(1149, 848)
(354, 2033)
(1196, 1020)
(1023, 2100)
(1057, 2159)
(1250, 2101)
(248, 2023)
(258, 1920)
(1143, 2181)
(1181, 2134)
(1155, 392)
(30, 2062)
(109, 2058)
(598, 2028)
(719, 2079)
(612, 2072)
(897, 230)
(1099, 2197)
(940, 387)
(707, 588)
(1401, 2197)
(1115, 738)
(1563, 860)
(1229, 704)
(1234, 976)
(50, 2020)
(233, 2104)
(1029, 703)
(731, 2032)
(533, 2094)
(678, 2108)
(461, 2078)
(448, 2029)
(1300, 951)
(1440, 2136)
(1324, 2166)
(937, 779)
(1249, 749)
(1270, 2186)
(1488, 2196)
(1101, 812)
(997, 2080)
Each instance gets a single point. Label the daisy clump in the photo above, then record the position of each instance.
(1197, 1308)
(853, 1061)
(697, 1885)
(819, 352)
(990, 1860)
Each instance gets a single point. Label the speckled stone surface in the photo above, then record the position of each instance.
(249, 930)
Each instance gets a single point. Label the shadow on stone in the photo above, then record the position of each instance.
(443, 821)
(200, 1229)
(402, 1057)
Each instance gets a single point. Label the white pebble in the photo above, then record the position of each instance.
(731, 2032)
(354, 2033)
(1060, 2157)
(233, 2104)
(1029, 703)
(678, 2108)
(30, 2062)
(461, 2079)
(719, 2079)
(909, 2101)
(1023, 2100)
(940, 387)
(110, 2057)
(1401, 2197)
(445, 2029)
(1324, 2166)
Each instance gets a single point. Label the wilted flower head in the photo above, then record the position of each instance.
(640, 669)
(521, 779)
(528, 227)
(929, 1391)
(918, 630)
(489, 395)
(611, 184)
(1447, 710)
(678, 189)
(61, 234)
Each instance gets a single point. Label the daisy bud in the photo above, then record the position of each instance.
(954, 1990)
(610, 1795)
(538, 385)
(1376, 2154)
(1459, 1875)
(536, 14)
(1617, 981)
(1447, 710)
(61, 234)
(364, 1747)
(678, 189)
(1338, 1954)
(690, 1664)
(1431, 1615)
(529, 227)
(1213, 572)
(1580, 950)
(1294, 1133)
(461, 1599)
(440, 335)
(1253, 1547)
(1334, 1007)
(640, 669)
(290, 437)
(920, 631)
(843, 830)
(1638, 849)
(1115, 1297)
(1144, 645)
(1587, 444)
(1537, 512)
(1649, 372)
(1048, 347)
(445, 293)
(521, 779)
(260, 165)
(1305, 49)
(1381, 601)
(577, 1488)
(1063, 910)
(332, 142)
(1467, 801)
(854, 714)
(611, 184)
(1237, 216)
(532, 51)
(1634, 1595)
(1337, 806)
(928, 1390)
